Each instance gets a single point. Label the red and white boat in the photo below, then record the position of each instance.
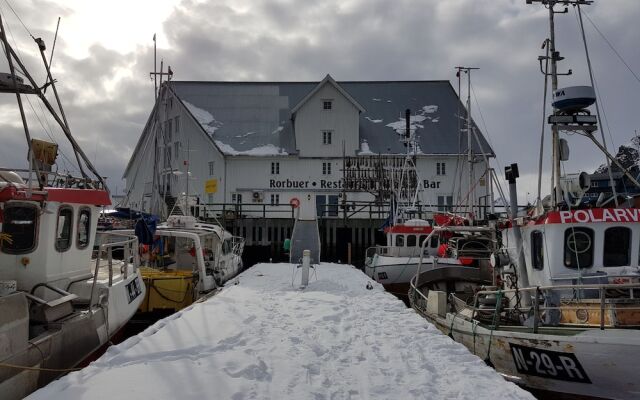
(62, 295)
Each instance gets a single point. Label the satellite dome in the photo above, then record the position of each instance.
(573, 98)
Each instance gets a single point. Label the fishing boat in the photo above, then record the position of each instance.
(562, 313)
(183, 259)
(60, 300)
(187, 260)
(411, 241)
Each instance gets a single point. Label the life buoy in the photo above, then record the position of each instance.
(295, 202)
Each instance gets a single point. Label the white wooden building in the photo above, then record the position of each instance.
(263, 144)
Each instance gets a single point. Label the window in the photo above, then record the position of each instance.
(445, 203)
(236, 198)
(537, 253)
(84, 228)
(617, 247)
(169, 126)
(595, 183)
(211, 168)
(399, 240)
(177, 124)
(21, 226)
(176, 149)
(227, 246)
(411, 241)
(63, 229)
(434, 242)
(326, 168)
(441, 168)
(578, 248)
(422, 239)
(275, 199)
(275, 168)
(327, 104)
(326, 137)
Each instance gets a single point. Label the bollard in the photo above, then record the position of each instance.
(306, 260)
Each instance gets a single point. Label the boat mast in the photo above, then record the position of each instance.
(470, 193)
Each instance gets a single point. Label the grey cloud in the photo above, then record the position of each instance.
(355, 40)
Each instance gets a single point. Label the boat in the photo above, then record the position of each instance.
(60, 299)
(562, 313)
(411, 241)
(186, 261)
(183, 259)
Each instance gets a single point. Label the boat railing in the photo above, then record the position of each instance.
(575, 305)
(393, 251)
(104, 254)
(56, 179)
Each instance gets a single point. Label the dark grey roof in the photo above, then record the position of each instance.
(249, 115)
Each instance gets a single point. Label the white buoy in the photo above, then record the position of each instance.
(306, 261)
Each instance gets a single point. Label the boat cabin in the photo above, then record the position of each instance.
(588, 246)
(406, 239)
(47, 236)
(210, 252)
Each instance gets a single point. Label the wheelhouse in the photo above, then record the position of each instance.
(581, 246)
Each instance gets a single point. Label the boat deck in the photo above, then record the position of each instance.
(265, 338)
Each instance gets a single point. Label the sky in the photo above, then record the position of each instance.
(104, 53)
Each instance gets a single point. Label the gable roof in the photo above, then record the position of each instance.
(327, 79)
(254, 118)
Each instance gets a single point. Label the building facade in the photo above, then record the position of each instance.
(224, 148)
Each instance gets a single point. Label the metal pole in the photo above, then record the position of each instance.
(555, 180)
(30, 155)
(469, 151)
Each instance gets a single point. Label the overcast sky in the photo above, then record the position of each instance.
(104, 54)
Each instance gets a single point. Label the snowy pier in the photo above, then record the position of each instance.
(264, 338)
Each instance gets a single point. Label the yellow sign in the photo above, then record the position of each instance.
(211, 186)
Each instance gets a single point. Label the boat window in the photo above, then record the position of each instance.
(617, 247)
(19, 229)
(434, 242)
(84, 226)
(422, 239)
(63, 229)
(537, 253)
(411, 241)
(578, 248)
(227, 246)
(399, 240)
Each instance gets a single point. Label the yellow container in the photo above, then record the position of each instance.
(167, 290)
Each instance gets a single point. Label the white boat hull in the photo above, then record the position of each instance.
(584, 362)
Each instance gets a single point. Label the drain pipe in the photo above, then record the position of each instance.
(511, 174)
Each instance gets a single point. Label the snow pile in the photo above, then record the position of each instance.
(400, 126)
(265, 150)
(204, 118)
(264, 339)
(430, 109)
(375, 121)
(364, 148)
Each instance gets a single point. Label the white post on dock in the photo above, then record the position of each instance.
(306, 261)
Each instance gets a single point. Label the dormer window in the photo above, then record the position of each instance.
(327, 104)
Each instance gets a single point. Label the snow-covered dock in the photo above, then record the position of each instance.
(266, 339)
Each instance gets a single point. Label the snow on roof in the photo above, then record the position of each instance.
(265, 339)
(230, 110)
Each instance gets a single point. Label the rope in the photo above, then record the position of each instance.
(24, 367)
(493, 327)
